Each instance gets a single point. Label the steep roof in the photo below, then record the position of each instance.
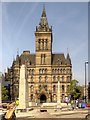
(27, 57)
(59, 59)
(31, 59)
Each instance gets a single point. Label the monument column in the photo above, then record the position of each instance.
(58, 95)
(23, 88)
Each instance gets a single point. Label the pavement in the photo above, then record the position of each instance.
(49, 114)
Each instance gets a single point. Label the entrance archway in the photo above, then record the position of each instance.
(43, 98)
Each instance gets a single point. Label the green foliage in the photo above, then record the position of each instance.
(4, 93)
(75, 89)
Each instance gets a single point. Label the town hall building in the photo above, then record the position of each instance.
(44, 68)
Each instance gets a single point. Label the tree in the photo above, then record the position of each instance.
(4, 93)
(75, 90)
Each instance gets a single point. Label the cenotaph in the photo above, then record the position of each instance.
(58, 96)
(23, 88)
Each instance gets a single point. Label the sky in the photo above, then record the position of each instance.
(69, 21)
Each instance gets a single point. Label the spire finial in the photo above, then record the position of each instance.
(43, 6)
(44, 12)
(67, 50)
(17, 51)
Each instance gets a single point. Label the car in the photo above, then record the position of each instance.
(88, 105)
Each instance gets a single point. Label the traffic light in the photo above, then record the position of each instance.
(89, 91)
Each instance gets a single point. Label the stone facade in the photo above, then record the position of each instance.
(44, 68)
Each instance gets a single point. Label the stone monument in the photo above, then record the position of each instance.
(23, 88)
(58, 96)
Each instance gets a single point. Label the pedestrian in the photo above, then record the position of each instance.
(17, 102)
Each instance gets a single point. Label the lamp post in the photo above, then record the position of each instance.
(85, 82)
(0, 87)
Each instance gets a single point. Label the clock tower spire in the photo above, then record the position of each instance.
(43, 36)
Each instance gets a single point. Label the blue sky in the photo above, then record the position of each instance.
(70, 30)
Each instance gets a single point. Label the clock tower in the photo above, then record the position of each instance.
(43, 36)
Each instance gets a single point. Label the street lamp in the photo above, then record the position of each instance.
(0, 88)
(85, 81)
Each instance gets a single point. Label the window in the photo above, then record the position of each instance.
(32, 88)
(46, 44)
(63, 88)
(60, 70)
(32, 71)
(39, 87)
(30, 63)
(54, 88)
(64, 71)
(46, 78)
(68, 79)
(31, 96)
(31, 78)
(45, 70)
(39, 41)
(42, 44)
(58, 78)
(40, 71)
(62, 78)
(53, 71)
(68, 87)
(54, 78)
(43, 59)
(39, 78)
(45, 87)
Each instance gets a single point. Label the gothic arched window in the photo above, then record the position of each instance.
(62, 78)
(46, 78)
(68, 79)
(39, 42)
(63, 88)
(42, 44)
(54, 87)
(32, 88)
(32, 71)
(54, 78)
(31, 78)
(39, 78)
(31, 96)
(58, 78)
(46, 44)
(68, 87)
